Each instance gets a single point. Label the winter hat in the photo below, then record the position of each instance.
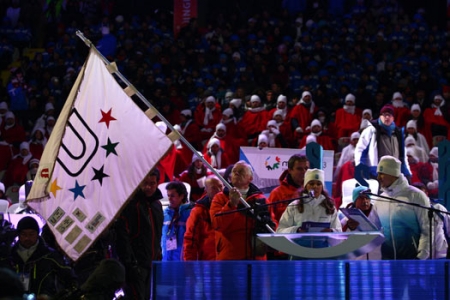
(316, 122)
(306, 93)
(186, 112)
(9, 115)
(397, 95)
(277, 112)
(33, 161)
(196, 157)
(434, 151)
(358, 190)
(25, 145)
(49, 106)
(410, 140)
(355, 135)
(411, 124)
(350, 97)
(210, 99)
(213, 141)
(236, 102)
(314, 174)
(415, 107)
(272, 123)
(229, 95)
(311, 139)
(2, 187)
(438, 97)
(389, 165)
(177, 127)
(27, 223)
(255, 98)
(162, 126)
(3, 105)
(282, 98)
(387, 109)
(228, 112)
(410, 152)
(221, 126)
(263, 138)
(367, 111)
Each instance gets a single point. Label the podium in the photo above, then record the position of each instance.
(342, 245)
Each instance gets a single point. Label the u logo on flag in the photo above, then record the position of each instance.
(77, 152)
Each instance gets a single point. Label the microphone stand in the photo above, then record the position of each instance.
(430, 210)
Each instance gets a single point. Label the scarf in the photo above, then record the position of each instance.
(389, 129)
(183, 128)
(208, 115)
(398, 103)
(216, 160)
(317, 133)
(309, 105)
(349, 109)
(233, 119)
(437, 112)
(256, 109)
(25, 253)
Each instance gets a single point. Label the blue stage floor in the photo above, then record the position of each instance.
(308, 279)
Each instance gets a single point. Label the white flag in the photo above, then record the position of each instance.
(102, 147)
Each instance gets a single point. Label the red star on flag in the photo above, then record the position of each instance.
(106, 117)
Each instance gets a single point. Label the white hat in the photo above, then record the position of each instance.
(415, 107)
(213, 141)
(438, 97)
(278, 112)
(177, 127)
(389, 165)
(397, 95)
(33, 161)
(262, 138)
(314, 174)
(227, 112)
(236, 55)
(411, 124)
(3, 105)
(25, 145)
(196, 157)
(229, 94)
(186, 112)
(236, 102)
(210, 99)
(272, 123)
(255, 98)
(282, 98)
(49, 106)
(9, 115)
(367, 111)
(410, 151)
(221, 126)
(316, 122)
(306, 93)
(2, 187)
(350, 97)
(355, 135)
(434, 151)
(311, 138)
(410, 140)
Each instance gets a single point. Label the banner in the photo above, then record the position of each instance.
(183, 12)
(269, 163)
(102, 147)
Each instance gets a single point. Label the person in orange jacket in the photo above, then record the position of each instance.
(199, 238)
(235, 231)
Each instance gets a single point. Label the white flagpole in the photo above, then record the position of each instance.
(162, 118)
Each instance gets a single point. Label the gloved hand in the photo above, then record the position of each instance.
(299, 130)
(432, 185)
(209, 130)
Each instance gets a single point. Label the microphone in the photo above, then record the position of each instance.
(311, 194)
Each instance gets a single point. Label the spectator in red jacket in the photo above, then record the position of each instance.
(195, 172)
(322, 139)
(207, 115)
(13, 133)
(18, 168)
(235, 231)
(199, 238)
(348, 118)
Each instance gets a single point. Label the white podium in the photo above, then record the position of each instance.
(342, 245)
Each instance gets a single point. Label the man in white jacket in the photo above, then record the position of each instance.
(406, 227)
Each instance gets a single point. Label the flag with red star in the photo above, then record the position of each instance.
(101, 148)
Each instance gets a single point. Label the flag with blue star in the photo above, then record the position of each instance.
(101, 148)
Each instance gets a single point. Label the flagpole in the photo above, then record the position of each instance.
(162, 118)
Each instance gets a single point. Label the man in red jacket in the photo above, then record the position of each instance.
(198, 243)
(235, 230)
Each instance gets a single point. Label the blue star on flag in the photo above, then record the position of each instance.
(77, 190)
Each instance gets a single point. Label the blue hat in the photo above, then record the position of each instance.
(358, 190)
